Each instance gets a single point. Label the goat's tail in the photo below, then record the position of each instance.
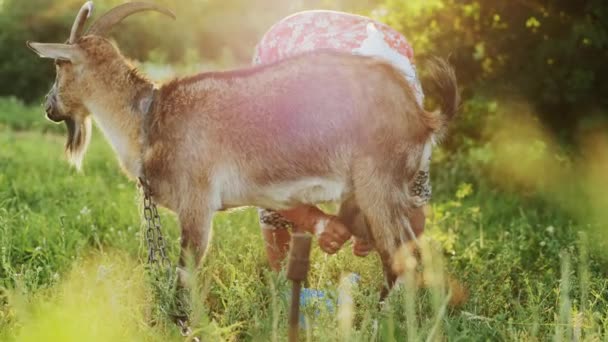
(443, 84)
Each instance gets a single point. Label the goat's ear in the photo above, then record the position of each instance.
(64, 52)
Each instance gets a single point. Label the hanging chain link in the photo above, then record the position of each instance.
(157, 253)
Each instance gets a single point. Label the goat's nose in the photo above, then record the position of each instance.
(48, 107)
(48, 104)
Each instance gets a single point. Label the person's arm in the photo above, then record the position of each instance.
(331, 233)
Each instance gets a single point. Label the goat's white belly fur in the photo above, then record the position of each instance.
(306, 191)
(235, 192)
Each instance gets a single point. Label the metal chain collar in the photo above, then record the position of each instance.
(157, 253)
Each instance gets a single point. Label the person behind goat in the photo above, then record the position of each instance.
(323, 29)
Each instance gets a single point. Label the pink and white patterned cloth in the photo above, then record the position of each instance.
(322, 29)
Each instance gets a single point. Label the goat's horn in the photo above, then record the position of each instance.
(118, 13)
(83, 15)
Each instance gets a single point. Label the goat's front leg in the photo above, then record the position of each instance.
(195, 222)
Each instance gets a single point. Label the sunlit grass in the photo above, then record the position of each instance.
(525, 157)
(100, 299)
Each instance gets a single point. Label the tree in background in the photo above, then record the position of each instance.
(552, 53)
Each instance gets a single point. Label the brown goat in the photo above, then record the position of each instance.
(317, 127)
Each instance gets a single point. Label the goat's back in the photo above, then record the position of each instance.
(308, 114)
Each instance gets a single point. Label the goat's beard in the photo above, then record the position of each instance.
(79, 136)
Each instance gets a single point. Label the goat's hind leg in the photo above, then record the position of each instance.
(352, 217)
(385, 203)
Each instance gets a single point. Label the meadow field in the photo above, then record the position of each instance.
(72, 255)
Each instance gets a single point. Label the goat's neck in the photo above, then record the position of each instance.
(117, 110)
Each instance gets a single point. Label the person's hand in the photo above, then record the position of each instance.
(332, 234)
(362, 248)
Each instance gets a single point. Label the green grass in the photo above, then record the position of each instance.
(72, 254)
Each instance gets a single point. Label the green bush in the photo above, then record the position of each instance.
(550, 53)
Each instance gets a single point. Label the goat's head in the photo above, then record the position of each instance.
(78, 62)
